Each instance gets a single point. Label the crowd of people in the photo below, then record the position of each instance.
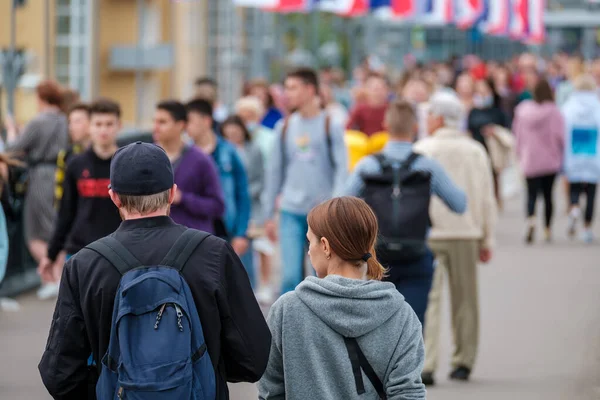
(274, 172)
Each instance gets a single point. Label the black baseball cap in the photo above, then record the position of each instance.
(140, 169)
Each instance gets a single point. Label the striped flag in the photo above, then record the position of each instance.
(397, 9)
(348, 8)
(537, 28)
(276, 5)
(498, 18)
(468, 12)
(436, 12)
(519, 24)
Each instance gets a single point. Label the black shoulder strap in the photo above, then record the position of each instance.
(284, 129)
(359, 361)
(328, 140)
(183, 248)
(111, 249)
(382, 160)
(412, 157)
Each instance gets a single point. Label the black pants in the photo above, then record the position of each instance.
(575, 190)
(543, 184)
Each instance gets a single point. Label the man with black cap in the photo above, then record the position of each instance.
(236, 334)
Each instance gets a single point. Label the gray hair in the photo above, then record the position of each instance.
(145, 204)
(446, 104)
(251, 103)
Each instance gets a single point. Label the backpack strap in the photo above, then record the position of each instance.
(111, 249)
(284, 129)
(329, 140)
(412, 157)
(183, 248)
(382, 160)
(359, 361)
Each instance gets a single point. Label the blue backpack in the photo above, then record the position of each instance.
(157, 349)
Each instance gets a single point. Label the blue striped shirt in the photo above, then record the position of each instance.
(441, 184)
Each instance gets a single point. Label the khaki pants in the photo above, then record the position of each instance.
(458, 260)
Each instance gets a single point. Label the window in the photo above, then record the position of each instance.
(73, 44)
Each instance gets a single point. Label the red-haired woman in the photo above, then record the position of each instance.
(40, 142)
(344, 320)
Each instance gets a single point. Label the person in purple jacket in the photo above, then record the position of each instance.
(199, 199)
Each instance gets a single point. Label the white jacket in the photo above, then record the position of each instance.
(468, 164)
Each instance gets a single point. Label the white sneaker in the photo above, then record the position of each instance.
(265, 295)
(48, 291)
(9, 305)
(587, 236)
(573, 216)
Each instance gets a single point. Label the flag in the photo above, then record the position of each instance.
(498, 17)
(519, 24)
(348, 8)
(256, 3)
(468, 12)
(285, 6)
(397, 9)
(537, 28)
(437, 11)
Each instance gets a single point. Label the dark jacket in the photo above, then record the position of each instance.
(86, 211)
(236, 334)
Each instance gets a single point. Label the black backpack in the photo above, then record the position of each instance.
(400, 199)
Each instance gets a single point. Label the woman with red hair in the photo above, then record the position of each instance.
(40, 142)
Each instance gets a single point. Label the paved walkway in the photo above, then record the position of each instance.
(540, 337)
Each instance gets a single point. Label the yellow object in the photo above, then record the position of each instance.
(360, 145)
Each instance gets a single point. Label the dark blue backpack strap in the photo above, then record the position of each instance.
(111, 249)
(183, 248)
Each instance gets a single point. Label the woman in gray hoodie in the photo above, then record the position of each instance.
(345, 334)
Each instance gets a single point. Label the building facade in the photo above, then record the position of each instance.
(134, 51)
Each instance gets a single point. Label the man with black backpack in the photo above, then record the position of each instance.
(397, 184)
(167, 312)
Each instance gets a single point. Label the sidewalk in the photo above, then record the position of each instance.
(540, 325)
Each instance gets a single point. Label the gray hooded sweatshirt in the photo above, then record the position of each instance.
(309, 359)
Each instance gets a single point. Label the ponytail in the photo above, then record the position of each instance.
(375, 271)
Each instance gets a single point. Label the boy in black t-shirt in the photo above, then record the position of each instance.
(86, 211)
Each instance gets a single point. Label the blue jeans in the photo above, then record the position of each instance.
(413, 281)
(292, 239)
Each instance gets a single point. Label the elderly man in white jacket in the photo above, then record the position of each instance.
(458, 241)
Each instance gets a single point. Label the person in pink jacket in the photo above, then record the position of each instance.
(540, 135)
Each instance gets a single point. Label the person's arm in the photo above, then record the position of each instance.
(340, 159)
(518, 134)
(66, 213)
(242, 196)
(63, 367)
(355, 184)
(274, 174)
(443, 186)
(489, 202)
(272, 384)
(559, 130)
(27, 140)
(404, 381)
(208, 202)
(256, 173)
(245, 336)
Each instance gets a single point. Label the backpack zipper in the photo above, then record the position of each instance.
(120, 392)
(162, 310)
